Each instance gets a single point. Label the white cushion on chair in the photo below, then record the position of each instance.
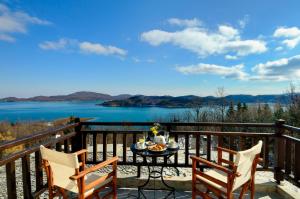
(215, 174)
(92, 177)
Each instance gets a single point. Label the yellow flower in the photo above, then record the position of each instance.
(155, 132)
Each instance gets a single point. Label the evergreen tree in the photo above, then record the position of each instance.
(244, 107)
(230, 111)
(239, 107)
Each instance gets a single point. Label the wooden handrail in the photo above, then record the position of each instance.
(227, 124)
(20, 154)
(291, 128)
(36, 136)
(291, 138)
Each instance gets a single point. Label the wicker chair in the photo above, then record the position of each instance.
(222, 181)
(66, 173)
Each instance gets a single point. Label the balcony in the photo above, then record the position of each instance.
(277, 177)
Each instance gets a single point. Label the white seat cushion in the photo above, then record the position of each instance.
(215, 174)
(92, 177)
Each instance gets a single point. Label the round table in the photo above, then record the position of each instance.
(154, 173)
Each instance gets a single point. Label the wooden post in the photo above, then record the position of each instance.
(279, 151)
(11, 180)
(77, 140)
(297, 161)
(26, 177)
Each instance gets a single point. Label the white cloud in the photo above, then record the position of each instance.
(231, 57)
(205, 42)
(12, 22)
(279, 48)
(54, 45)
(185, 22)
(83, 47)
(279, 70)
(235, 72)
(229, 32)
(292, 36)
(96, 48)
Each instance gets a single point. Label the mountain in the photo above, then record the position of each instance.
(78, 96)
(191, 100)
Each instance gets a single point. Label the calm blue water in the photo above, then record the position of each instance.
(48, 111)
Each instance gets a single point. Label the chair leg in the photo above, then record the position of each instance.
(229, 195)
(252, 189)
(243, 191)
(114, 190)
(193, 194)
(63, 193)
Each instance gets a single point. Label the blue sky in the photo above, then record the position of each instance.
(148, 47)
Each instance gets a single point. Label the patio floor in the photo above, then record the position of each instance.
(132, 193)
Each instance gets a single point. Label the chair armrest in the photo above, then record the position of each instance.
(227, 150)
(211, 164)
(94, 168)
(82, 151)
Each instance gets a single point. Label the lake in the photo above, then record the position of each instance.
(49, 111)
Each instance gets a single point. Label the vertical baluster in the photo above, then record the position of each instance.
(66, 146)
(231, 146)
(197, 147)
(169, 130)
(134, 141)
(114, 144)
(208, 147)
(220, 141)
(104, 146)
(26, 177)
(95, 148)
(297, 161)
(176, 154)
(124, 147)
(279, 151)
(11, 180)
(186, 152)
(266, 152)
(84, 140)
(38, 171)
(242, 143)
(58, 146)
(288, 157)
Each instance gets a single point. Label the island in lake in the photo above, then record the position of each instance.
(190, 101)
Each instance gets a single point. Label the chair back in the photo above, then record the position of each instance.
(62, 166)
(245, 161)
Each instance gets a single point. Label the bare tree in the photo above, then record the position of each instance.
(222, 102)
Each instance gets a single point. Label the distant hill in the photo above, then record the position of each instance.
(191, 100)
(78, 96)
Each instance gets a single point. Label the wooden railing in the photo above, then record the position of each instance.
(281, 144)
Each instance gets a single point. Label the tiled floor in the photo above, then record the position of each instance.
(132, 194)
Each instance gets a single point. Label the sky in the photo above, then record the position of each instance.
(170, 47)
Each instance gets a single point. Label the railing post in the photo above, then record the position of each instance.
(279, 151)
(77, 140)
